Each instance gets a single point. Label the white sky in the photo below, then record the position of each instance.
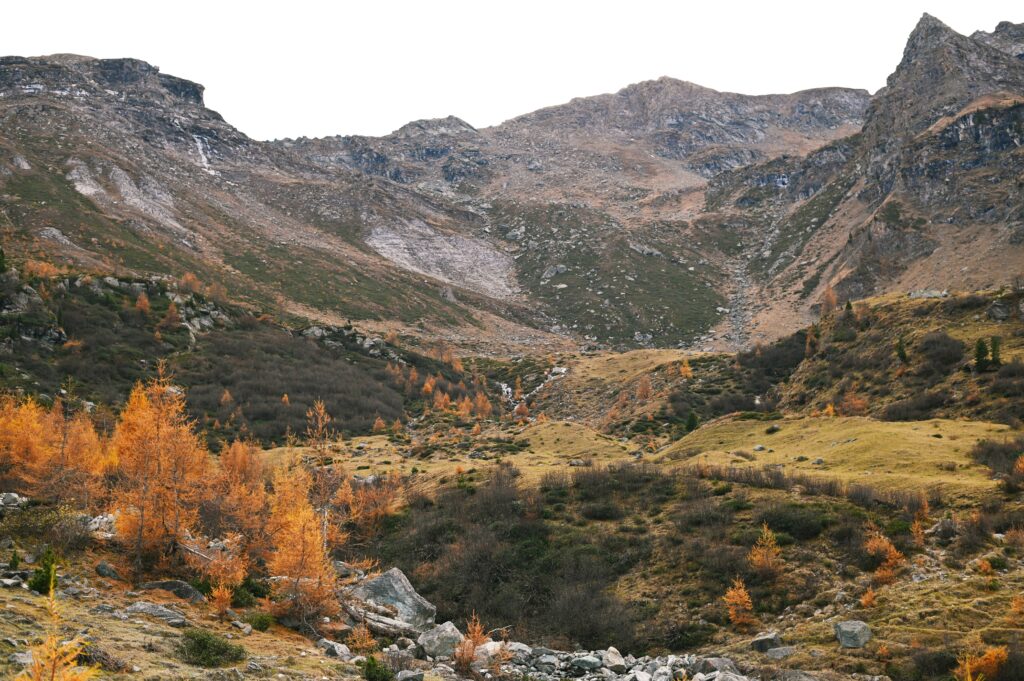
(288, 69)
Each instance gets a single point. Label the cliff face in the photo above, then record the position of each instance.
(664, 213)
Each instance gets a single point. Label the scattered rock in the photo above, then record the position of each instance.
(171, 617)
(244, 627)
(23, 658)
(613, 660)
(181, 589)
(409, 675)
(852, 633)
(780, 652)
(333, 649)
(440, 641)
(105, 569)
(765, 641)
(393, 589)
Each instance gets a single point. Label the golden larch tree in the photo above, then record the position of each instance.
(299, 554)
(162, 469)
(741, 608)
(765, 557)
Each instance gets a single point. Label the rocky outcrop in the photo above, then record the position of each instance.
(181, 589)
(168, 615)
(440, 641)
(392, 590)
(852, 633)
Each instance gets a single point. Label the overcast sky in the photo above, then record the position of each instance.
(297, 68)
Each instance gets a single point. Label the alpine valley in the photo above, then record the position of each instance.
(663, 384)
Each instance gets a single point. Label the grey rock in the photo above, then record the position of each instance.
(999, 311)
(440, 641)
(662, 674)
(23, 658)
(765, 641)
(780, 652)
(586, 663)
(171, 617)
(612, 660)
(852, 633)
(244, 627)
(394, 590)
(409, 675)
(716, 664)
(333, 649)
(181, 589)
(549, 663)
(105, 569)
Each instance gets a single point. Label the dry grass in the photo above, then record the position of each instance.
(884, 455)
(149, 643)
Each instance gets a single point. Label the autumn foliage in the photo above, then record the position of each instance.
(740, 606)
(162, 470)
(765, 557)
(299, 552)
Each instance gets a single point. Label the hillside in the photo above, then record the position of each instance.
(664, 214)
(668, 384)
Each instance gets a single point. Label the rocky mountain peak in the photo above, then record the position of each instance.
(941, 72)
(449, 125)
(1008, 37)
(81, 77)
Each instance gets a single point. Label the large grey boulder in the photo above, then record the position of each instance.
(852, 633)
(586, 663)
(171, 617)
(765, 641)
(181, 589)
(717, 664)
(393, 589)
(333, 649)
(440, 641)
(612, 660)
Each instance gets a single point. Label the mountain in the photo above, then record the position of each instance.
(666, 213)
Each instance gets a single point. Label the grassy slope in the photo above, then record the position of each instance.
(886, 455)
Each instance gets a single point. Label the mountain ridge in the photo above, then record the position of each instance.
(661, 214)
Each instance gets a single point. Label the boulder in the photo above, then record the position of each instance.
(409, 675)
(393, 589)
(333, 649)
(105, 569)
(780, 653)
(765, 641)
(612, 660)
(999, 311)
(852, 633)
(716, 664)
(662, 674)
(440, 641)
(23, 658)
(171, 617)
(586, 663)
(181, 589)
(243, 627)
(549, 663)
(12, 500)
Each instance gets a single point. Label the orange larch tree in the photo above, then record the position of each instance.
(299, 554)
(162, 469)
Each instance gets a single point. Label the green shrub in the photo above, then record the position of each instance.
(376, 671)
(45, 576)
(206, 649)
(15, 560)
(260, 621)
(800, 522)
